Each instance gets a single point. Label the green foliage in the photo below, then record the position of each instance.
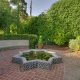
(23, 26)
(58, 25)
(43, 29)
(73, 45)
(14, 15)
(32, 38)
(22, 7)
(40, 42)
(37, 25)
(78, 39)
(1, 32)
(38, 55)
(4, 16)
(32, 26)
(13, 29)
(64, 21)
(59, 38)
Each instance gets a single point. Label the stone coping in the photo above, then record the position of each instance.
(31, 64)
(13, 44)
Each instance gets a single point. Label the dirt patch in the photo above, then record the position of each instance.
(56, 47)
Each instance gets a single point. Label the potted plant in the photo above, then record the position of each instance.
(40, 42)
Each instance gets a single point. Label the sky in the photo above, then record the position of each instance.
(39, 6)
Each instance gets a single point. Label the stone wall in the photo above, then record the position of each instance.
(13, 43)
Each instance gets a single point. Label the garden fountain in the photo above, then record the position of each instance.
(27, 62)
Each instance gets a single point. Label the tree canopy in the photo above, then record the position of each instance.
(64, 20)
(4, 15)
(21, 6)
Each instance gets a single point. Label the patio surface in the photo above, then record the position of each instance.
(68, 70)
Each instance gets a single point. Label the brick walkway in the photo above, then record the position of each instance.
(68, 70)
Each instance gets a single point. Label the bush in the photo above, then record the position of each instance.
(78, 39)
(63, 20)
(73, 45)
(59, 38)
(32, 38)
(13, 29)
(40, 42)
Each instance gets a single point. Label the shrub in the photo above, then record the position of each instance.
(59, 38)
(32, 40)
(40, 43)
(73, 45)
(78, 39)
(63, 20)
(13, 29)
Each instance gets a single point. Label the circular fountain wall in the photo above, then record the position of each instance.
(27, 64)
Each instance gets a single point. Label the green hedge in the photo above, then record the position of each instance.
(32, 38)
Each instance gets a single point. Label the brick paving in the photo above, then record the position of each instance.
(68, 70)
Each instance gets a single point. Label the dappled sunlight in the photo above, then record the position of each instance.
(72, 54)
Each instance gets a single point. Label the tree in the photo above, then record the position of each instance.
(22, 6)
(32, 26)
(38, 25)
(21, 12)
(31, 8)
(43, 28)
(5, 16)
(63, 21)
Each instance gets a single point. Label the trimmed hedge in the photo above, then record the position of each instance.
(31, 37)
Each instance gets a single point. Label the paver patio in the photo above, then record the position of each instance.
(68, 70)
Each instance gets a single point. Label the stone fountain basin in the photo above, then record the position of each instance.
(31, 64)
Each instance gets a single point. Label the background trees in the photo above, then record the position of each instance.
(32, 26)
(21, 7)
(64, 18)
(57, 26)
(12, 17)
(21, 12)
(4, 16)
